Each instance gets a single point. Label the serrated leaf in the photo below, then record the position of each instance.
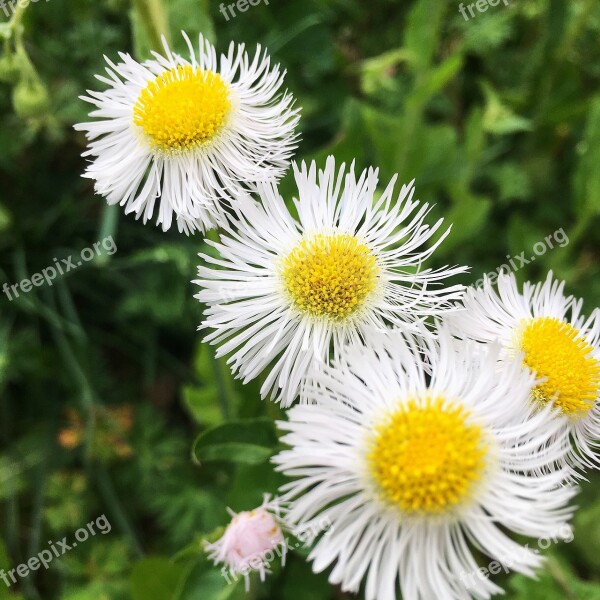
(512, 181)
(499, 118)
(555, 582)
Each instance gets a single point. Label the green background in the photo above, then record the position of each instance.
(104, 384)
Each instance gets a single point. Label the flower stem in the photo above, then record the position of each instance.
(153, 17)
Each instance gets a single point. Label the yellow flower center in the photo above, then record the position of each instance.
(330, 276)
(182, 109)
(556, 351)
(426, 457)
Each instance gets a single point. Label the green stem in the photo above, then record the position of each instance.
(88, 397)
(38, 501)
(110, 497)
(561, 578)
(90, 403)
(12, 526)
(154, 20)
(108, 227)
(223, 390)
(219, 365)
(36, 519)
(15, 20)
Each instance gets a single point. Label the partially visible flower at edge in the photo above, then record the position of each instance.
(558, 343)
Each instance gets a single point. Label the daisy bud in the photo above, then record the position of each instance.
(250, 542)
(10, 68)
(30, 99)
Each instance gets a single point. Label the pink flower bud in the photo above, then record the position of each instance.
(251, 542)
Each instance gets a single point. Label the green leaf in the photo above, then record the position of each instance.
(249, 483)
(299, 570)
(202, 404)
(499, 118)
(156, 579)
(522, 235)
(487, 32)
(587, 535)
(215, 397)
(512, 181)
(556, 582)
(193, 17)
(202, 583)
(468, 216)
(248, 441)
(4, 566)
(435, 79)
(5, 31)
(376, 72)
(384, 132)
(423, 32)
(195, 549)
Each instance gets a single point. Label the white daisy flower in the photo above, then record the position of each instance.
(559, 344)
(416, 469)
(295, 290)
(188, 133)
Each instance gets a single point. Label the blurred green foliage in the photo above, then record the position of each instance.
(104, 384)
